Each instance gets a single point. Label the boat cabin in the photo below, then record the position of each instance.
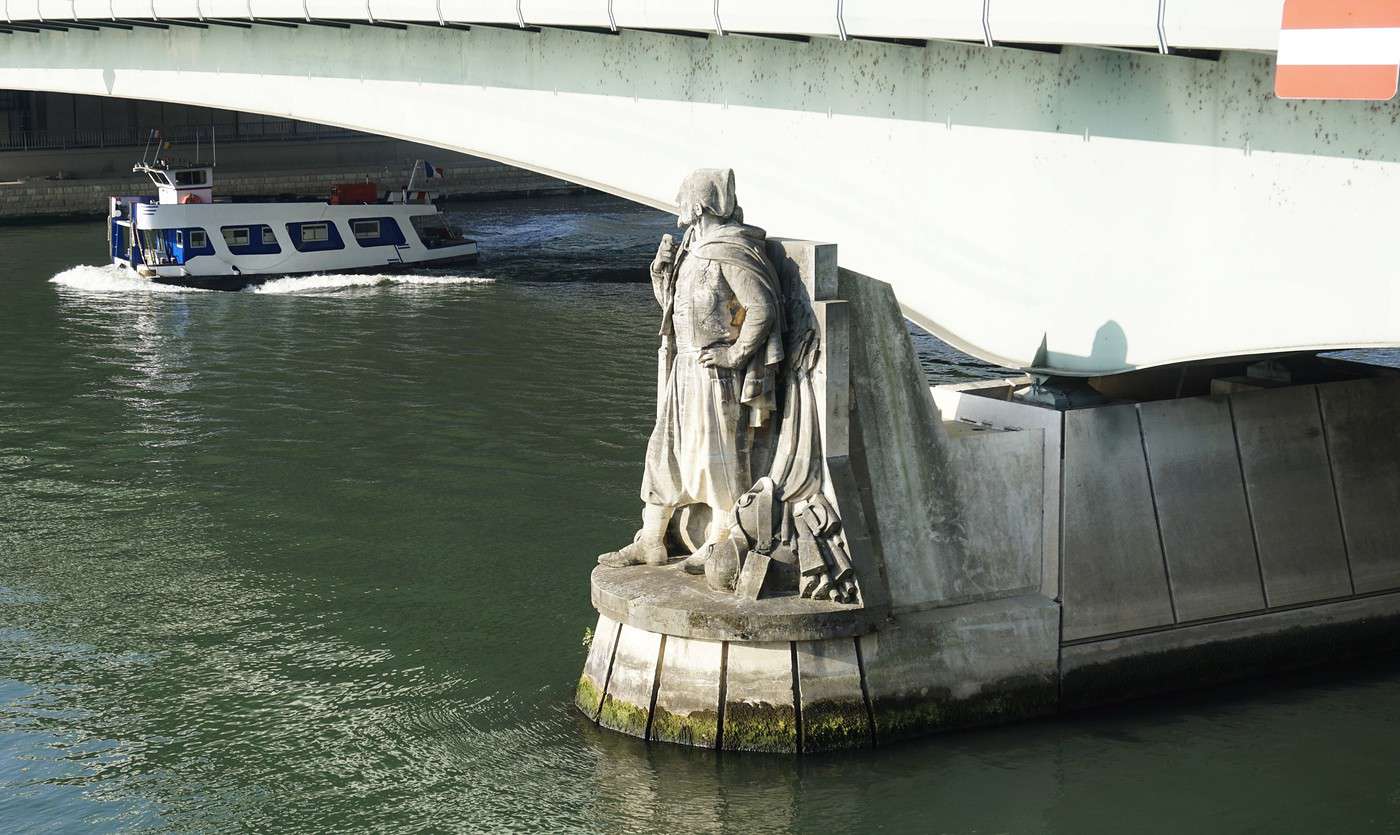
(182, 184)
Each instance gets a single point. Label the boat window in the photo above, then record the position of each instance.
(365, 228)
(251, 240)
(190, 178)
(435, 232)
(198, 239)
(318, 236)
(179, 238)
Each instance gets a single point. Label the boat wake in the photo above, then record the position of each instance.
(116, 279)
(113, 279)
(332, 282)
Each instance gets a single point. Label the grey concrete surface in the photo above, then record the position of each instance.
(687, 695)
(1002, 502)
(830, 687)
(1362, 422)
(967, 405)
(977, 663)
(627, 702)
(593, 682)
(1113, 574)
(1201, 509)
(1200, 655)
(667, 600)
(1289, 484)
(930, 506)
(760, 711)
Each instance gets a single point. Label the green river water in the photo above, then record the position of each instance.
(316, 560)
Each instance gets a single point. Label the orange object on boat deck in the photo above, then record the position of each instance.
(342, 193)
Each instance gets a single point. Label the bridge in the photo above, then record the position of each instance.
(1083, 187)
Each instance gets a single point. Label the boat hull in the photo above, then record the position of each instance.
(234, 282)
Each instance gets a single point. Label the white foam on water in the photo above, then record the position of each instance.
(113, 279)
(323, 283)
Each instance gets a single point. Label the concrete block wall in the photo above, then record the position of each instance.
(39, 199)
(1184, 511)
(954, 519)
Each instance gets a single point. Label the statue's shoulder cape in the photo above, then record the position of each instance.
(743, 246)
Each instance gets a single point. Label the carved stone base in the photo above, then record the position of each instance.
(966, 665)
(666, 600)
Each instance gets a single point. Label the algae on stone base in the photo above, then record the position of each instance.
(936, 709)
(760, 726)
(623, 717)
(831, 725)
(699, 728)
(588, 696)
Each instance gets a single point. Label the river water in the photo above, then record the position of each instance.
(316, 559)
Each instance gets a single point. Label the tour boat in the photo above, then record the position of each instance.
(186, 236)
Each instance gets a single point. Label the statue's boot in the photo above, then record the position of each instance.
(648, 546)
(646, 550)
(720, 529)
(695, 563)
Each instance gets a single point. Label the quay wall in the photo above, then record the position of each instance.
(269, 169)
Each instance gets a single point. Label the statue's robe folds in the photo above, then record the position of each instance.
(726, 295)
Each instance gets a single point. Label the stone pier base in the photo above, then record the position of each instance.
(1027, 548)
(974, 664)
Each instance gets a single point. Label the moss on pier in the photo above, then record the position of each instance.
(937, 709)
(623, 717)
(831, 725)
(699, 728)
(588, 696)
(760, 726)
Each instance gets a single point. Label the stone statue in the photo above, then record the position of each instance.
(737, 434)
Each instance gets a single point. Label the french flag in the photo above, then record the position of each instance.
(431, 172)
(1339, 49)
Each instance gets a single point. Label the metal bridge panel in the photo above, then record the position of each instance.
(1213, 24)
(23, 10)
(592, 13)
(481, 11)
(801, 17)
(698, 15)
(92, 8)
(1109, 22)
(952, 19)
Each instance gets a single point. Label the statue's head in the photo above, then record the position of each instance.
(708, 191)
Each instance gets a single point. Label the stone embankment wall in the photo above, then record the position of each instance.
(51, 199)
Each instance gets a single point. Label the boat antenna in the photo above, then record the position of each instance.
(214, 140)
(146, 152)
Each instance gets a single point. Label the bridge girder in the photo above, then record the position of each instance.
(1085, 212)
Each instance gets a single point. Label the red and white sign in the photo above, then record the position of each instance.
(1339, 49)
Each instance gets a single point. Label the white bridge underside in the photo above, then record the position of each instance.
(1086, 212)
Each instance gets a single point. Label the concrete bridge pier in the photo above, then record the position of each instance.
(1022, 554)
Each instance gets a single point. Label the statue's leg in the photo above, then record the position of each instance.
(649, 545)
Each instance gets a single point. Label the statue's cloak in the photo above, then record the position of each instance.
(738, 246)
